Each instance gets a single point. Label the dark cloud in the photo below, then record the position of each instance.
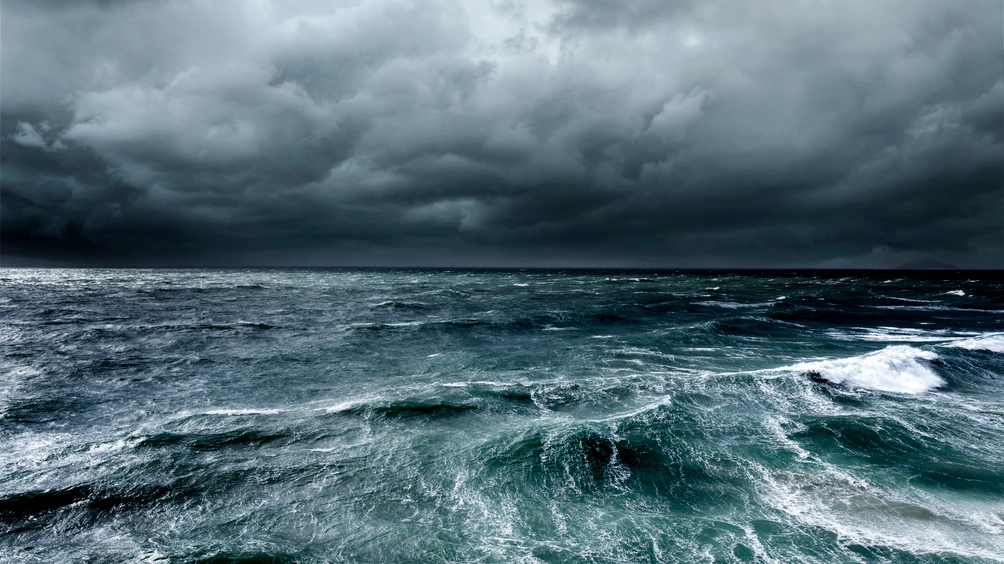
(779, 133)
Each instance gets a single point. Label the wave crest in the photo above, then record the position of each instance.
(993, 342)
(892, 369)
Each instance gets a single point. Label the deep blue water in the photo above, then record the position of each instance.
(488, 416)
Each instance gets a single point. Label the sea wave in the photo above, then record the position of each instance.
(892, 369)
(240, 412)
(900, 334)
(340, 416)
(993, 342)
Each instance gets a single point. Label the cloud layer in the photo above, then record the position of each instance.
(575, 132)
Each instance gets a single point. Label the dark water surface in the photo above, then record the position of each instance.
(480, 416)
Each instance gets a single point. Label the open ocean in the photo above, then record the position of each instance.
(501, 416)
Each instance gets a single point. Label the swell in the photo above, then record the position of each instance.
(886, 442)
(406, 409)
(504, 324)
(95, 500)
(249, 557)
(491, 399)
(172, 481)
(638, 454)
(246, 438)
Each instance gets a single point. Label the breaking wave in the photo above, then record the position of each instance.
(897, 368)
(993, 343)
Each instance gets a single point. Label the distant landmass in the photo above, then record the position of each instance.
(928, 265)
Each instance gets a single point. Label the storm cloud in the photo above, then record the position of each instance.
(842, 133)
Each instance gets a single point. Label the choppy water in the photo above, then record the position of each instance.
(452, 416)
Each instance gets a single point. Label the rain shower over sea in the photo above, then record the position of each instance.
(501, 416)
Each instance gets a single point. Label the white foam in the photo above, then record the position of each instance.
(233, 412)
(862, 513)
(897, 298)
(920, 308)
(892, 369)
(894, 334)
(956, 292)
(107, 447)
(405, 324)
(987, 521)
(343, 406)
(993, 342)
(151, 558)
(775, 426)
(664, 401)
(736, 305)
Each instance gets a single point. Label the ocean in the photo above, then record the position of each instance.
(339, 415)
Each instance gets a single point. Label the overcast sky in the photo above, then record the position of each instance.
(823, 133)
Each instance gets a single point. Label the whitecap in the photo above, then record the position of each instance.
(993, 342)
(405, 324)
(660, 403)
(902, 334)
(892, 369)
(956, 292)
(735, 305)
(920, 308)
(233, 412)
(343, 406)
(107, 447)
(907, 299)
(858, 512)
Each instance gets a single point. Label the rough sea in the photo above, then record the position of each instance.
(501, 416)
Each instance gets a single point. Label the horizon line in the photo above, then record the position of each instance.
(513, 268)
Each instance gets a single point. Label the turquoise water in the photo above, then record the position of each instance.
(488, 416)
